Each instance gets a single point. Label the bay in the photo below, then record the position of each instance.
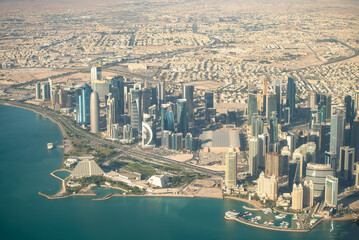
(25, 164)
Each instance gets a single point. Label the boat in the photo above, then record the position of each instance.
(232, 214)
(50, 146)
(280, 216)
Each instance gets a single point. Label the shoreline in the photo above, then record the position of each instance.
(255, 204)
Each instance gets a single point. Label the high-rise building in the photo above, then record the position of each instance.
(336, 133)
(273, 123)
(252, 106)
(231, 168)
(312, 99)
(187, 93)
(298, 158)
(357, 175)
(182, 121)
(297, 197)
(189, 142)
(161, 93)
(346, 163)
(267, 187)
(51, 91)
(127, 132)
(317, 174)
(154, 96)
(354, 137)
(349, 109)
(331, 191)
(117, 92)
(45, 91)
(136, 116)
(271, 105)
(208, 100)
(308, 194)
(94, 112)
(275, 164)
(356, 102)
(38, 91)
(331, 159)
(324, 137)
(255, 155)
(178, 141)
(95, 74)
(291, 90)
(83, 105)
(110, 115)
(102, 87)
(278, 93)
(265, 144)
(166, 140)
(148, 137)
(257, 125)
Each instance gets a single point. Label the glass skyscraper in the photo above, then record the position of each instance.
(336, 133)
(291, 95)
(182, 121)
(83, 105)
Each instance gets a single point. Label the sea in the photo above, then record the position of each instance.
(25, 164)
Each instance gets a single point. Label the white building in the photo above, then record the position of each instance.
(158, 180)
(267, 187)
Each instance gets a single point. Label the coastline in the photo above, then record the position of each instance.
(255, 204)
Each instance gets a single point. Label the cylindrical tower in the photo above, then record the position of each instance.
(95, 112)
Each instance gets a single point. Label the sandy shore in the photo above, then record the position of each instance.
(255, 204)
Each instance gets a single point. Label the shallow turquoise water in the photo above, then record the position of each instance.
(25, 164)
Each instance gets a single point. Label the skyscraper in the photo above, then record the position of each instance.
(94, 112)
(161, 93)
(110, 115)
(147, 135)
(273, 123)
(95, 74)
(297, 197)
(38, 91)
(182, 121)
(354, 137)
(164, 108)
(346, 163)
(255, 155)
(331, 191)
(267, 187)
(271, 105)
(291, 88)
(356, 102)
(231, 168)
(189, 142)
(336, 133)
(45, 91)
(83, 105)
(276, 164)
(349, 109)
(208, 100)
(117, 91)
(278, 92)
(187, 93)
(308, 194)
(136, 116)
(252, 106)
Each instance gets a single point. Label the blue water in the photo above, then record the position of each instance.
(25, 164)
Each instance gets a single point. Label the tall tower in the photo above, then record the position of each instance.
(161, 93)
(94, 112)
(346, 162)
(231, 168)
(255, 155)
(182, 121)
(354, 137)
(95, 74)
(271, 103)
(278, 93)
(336, 133)
(83, 105)
(291, 95)
(38, 91)
(252, 106)
(111, 113)
(297, 197)
(331, 191)
(187, 93)
(51, 91)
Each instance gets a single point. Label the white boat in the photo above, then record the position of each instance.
(232, 214)
(280, 216)
(50, 146)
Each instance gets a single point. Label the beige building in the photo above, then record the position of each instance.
(297, 197)
(357, 175)
(267, 187)
(231, 168)
(276, 164)
(308, 194)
